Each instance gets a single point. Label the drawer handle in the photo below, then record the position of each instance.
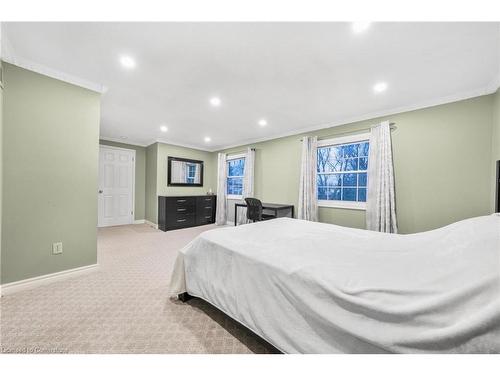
(208, 217)
(208, 199)
(181, 200)
(208, 207)
(181, 220)
(181, 209)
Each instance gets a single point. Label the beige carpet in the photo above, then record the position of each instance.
(123, 307)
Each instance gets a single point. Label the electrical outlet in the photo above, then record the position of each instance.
(57, 248)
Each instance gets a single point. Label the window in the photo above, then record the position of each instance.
(342, 172)
(191, 173)
(235, 171)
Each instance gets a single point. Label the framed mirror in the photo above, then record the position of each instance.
(184, 172)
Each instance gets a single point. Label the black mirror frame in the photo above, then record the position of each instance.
(169, 173)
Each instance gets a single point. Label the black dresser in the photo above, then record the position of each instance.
(185, 211)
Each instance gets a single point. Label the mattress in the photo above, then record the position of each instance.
(319, 288)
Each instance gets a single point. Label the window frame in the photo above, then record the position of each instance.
(351, 205)
(233, 157)
(188, 178)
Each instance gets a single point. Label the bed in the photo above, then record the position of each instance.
(320, 288)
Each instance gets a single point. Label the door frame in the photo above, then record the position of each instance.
(133, 180)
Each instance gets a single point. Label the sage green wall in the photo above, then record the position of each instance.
(495, 142)
(156, 174)
(1, 167)
(151, 178)
(140, 176)
(209, 170)
(50, 155)
(442, 159)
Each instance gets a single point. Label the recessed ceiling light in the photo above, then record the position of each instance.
(215, 101)
(163, 128)
(380, 87)
(127, 62)
(359, 27)
(262, 122)
(123, 137)
(207, 139)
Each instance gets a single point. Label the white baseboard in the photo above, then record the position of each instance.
(141, 221)
(151, 224)
(34, 282)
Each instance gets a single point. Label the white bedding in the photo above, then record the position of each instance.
(320, 288)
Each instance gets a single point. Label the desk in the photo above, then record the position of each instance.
(265, 206)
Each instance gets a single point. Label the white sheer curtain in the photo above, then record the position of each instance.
(308, 204)
(381, 202)
(179, 173)
(221, 213)
(248, 183)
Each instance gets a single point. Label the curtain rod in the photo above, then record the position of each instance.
(392, 126)
(239, 152)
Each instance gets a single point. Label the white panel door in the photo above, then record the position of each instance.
(116, 186)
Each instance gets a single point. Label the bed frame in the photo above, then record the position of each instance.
(184, 297)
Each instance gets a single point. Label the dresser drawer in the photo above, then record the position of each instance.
(181, 220)
(204, 219)
(206, 199)
(181, 204)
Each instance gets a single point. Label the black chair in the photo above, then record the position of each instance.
(254, 210)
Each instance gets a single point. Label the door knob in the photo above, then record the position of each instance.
(100, 191)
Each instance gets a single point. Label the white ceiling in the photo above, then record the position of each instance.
(299, 76)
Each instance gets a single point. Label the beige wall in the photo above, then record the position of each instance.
(140, 176)
(441, 158)
(50, 165)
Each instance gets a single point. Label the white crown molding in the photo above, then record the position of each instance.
(56, 74)
(34, 282)
(178, 144)
(9, 55)
(123, 141)
(186, 145)
(489, 89)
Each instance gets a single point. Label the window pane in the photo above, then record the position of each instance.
(362, 179)
(236, 167)
(350, 150)
(351, 165)
(235, 186)
(362, 195)
(322, 193)
(334, 194)
(329, 159)
(350, 179)
(329, 180)
(363, 164)
(348, 194)
(364, 148)
(323, 156)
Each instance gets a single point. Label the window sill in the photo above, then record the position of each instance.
(343, 204)
(234, 197)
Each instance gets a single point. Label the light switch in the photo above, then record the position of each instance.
(57, 248)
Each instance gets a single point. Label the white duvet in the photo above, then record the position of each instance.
(320, 288)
